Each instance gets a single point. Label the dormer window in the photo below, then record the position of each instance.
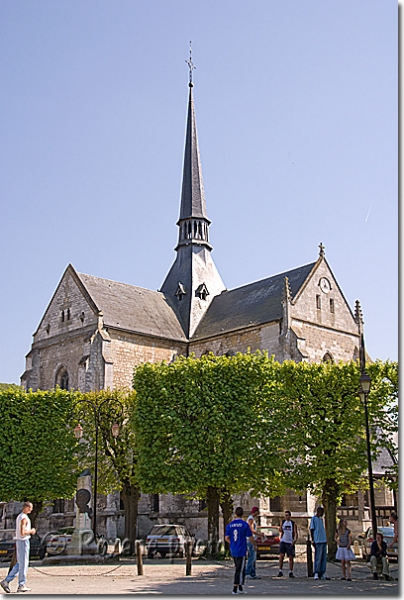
(180, 293)
(201, 292)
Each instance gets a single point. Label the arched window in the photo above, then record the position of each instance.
(62, 378)
(328, 358)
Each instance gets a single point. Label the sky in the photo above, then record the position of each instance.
(297, 114)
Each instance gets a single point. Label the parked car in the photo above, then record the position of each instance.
(168, 539)
(367, 539)
(267, 540)
(7, 544)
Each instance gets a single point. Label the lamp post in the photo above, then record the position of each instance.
(365, 382)
(78, 433)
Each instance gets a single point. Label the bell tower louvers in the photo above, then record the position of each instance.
(193, 280)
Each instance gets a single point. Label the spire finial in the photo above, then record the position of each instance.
(190, 64)
(322, 250)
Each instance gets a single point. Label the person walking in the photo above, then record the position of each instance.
(288, 539)
(23, 532)
(319, 538)
(343, 537)
(378, 555)
(251, 568)
(237, 533)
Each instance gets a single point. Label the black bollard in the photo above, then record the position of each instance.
(139, 559)
(309, 558)
(188, 558)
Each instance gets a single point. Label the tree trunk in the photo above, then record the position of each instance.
(130, 495)
(227, 511)
(37, 509)
(213, 501)
(329, 499)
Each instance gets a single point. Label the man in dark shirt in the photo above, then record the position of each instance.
(237, 533)
(378, 555)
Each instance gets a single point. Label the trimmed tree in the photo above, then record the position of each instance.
(201, 428)
(37, 448)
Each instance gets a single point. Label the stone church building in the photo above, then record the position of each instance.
(94, 331)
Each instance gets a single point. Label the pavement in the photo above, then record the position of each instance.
(167, 577)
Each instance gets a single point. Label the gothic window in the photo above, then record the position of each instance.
(332, 310)
(318, 301)
(63, 316)
(202, 504)
(68, 314)
(62, 378)
(155, 502)
(195, 229)
(200, 229)
(328, 358)
(275, 504)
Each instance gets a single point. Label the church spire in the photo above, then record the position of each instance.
(193, 280)
(193, 222)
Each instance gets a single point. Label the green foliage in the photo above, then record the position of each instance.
(37, 448)
(323, 425)
(203, 423)
(7, 386)
(383, 410)
(117, 458)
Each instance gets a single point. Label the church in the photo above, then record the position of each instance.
(94, 331)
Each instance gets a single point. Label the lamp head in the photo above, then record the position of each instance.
(78, 431)
(365, 381)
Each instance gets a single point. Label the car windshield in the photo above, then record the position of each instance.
(268, 531)
(163, 530)
(7, 534)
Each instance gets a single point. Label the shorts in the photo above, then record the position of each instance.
(288, 549)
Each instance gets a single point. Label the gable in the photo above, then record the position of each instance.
(321, 301)
(70, 308)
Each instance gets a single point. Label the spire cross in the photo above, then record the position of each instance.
(190, 64)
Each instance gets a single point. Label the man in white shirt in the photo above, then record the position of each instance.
(23, 532)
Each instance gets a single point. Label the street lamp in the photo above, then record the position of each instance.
(365, 382)
(97, 410)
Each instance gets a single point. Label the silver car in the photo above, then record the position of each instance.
(168, 539)
(388, 535)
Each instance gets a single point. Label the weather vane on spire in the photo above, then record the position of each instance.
(190, 64)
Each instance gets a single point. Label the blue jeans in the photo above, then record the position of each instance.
(320, 558)
(21, 566)
(252, 557)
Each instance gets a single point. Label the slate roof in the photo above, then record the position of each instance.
(133, 308)
(253, 304)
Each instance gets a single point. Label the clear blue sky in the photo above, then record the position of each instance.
(296, 105)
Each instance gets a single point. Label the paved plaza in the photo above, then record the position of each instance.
(162, 576)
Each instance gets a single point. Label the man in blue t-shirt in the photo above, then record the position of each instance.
(237, 533)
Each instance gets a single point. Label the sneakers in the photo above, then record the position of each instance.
(235, 593)
(280, 574)
(325, 577)
(291, 575)
(23, 588)
(375, 576)
(253, 577)
(316, 576)
(5, 586)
